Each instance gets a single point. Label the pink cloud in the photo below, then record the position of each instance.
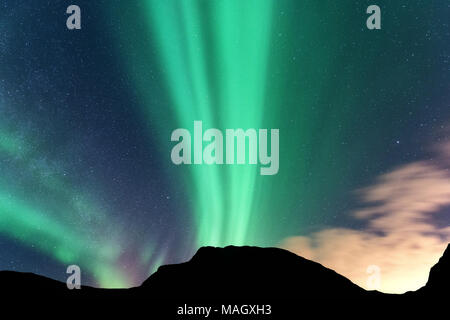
(400, 237)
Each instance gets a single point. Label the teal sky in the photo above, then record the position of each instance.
(86, 118)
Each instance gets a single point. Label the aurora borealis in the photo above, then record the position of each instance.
(86, 118)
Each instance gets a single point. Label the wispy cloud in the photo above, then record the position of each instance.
(401, 236)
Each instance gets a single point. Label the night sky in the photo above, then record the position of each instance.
(86, 118)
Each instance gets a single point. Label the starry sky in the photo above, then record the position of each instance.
(86, 118)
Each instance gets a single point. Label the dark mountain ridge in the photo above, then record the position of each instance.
(242, 272)
(238, 275)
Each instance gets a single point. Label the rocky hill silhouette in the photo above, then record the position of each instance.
(237, 275)
(438, 284)
(242, 272)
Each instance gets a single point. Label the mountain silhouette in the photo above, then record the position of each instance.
(237, 275)
(242, 272)
(438, 283)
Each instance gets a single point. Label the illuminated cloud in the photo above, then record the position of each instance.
(401, 236)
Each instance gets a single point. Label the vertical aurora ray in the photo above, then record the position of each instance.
(223, 194)
(188, 86)
(243, 35)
